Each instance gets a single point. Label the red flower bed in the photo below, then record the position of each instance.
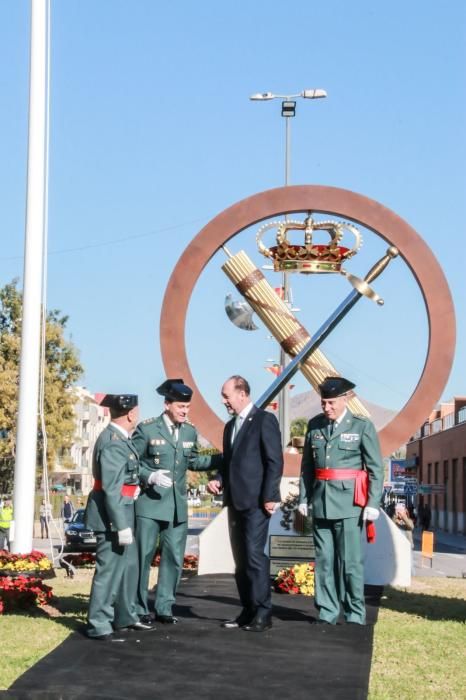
(296, 579)
(84, 560)
(189, 562)
(22, 593)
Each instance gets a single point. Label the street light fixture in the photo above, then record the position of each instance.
(288, 110)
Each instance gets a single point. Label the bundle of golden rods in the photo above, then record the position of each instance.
(277, 317)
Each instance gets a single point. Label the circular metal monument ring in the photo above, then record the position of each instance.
(326, 200)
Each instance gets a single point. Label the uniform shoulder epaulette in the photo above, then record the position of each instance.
(361, 416)
(147, 421)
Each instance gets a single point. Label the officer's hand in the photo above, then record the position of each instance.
(303, 509)
(125, 536)
(214, 486)
(370, 513)
(137, 491)
(160, 478)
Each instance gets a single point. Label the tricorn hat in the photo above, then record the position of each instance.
(332, 387)
(175, 390)
(120, 401)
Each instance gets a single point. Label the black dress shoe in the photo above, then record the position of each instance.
(167, 619)
(244, 618)
(259, 624)
(353, 622)
(323, 622)
(142, 626)
(147, 619)
(106, 638)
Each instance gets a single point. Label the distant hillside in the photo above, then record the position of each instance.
(307, 404)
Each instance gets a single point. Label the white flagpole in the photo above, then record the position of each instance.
(26, 443)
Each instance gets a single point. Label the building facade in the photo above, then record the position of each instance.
(76, 472)
(439, 448)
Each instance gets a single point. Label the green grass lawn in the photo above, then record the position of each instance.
(419, 639)
(27, 638)
(419, 642)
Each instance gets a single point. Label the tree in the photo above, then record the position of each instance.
(62, 369)
(298, 427)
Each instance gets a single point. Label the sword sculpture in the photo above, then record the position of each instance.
(361, 287)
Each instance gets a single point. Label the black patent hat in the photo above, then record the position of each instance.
(175, 390)
(120, 401)
(333, 387)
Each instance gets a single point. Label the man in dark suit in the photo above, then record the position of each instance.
(250, 475)
(110, 513)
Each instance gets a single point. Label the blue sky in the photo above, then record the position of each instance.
(153, 134)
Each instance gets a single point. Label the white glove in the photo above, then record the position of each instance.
(159, 478)
(303, 509)
(370, 513)
(136, 493)
(125, 536)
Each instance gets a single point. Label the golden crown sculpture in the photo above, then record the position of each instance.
(309, 257)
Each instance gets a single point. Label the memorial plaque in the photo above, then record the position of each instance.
(296, 548)
(286, 550)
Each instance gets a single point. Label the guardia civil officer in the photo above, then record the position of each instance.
(110, 513)
(342, 477)
(167, 447)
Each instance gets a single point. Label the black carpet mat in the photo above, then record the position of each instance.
(198, 659)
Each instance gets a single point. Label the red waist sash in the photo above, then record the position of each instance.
(126, 489)
(361, 489)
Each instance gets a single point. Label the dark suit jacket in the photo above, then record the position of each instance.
(252, 467)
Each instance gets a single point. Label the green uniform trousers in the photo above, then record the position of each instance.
(339, 570)
(114, 586)
(172, 545)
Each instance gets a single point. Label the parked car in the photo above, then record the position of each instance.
(77, 535)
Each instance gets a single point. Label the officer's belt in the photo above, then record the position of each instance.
(361, 488)
(126, 489)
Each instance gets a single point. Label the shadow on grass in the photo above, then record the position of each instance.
(430, 607)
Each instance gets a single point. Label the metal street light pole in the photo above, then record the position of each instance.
(288, 111)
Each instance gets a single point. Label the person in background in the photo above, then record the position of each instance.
(404, 522)
(420, 514)
(6, 516)
(45, 515)
(426, 517)
(67, 510)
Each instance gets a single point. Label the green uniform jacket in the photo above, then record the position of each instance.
(353, 445)
(114, 463)
(157, 449)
